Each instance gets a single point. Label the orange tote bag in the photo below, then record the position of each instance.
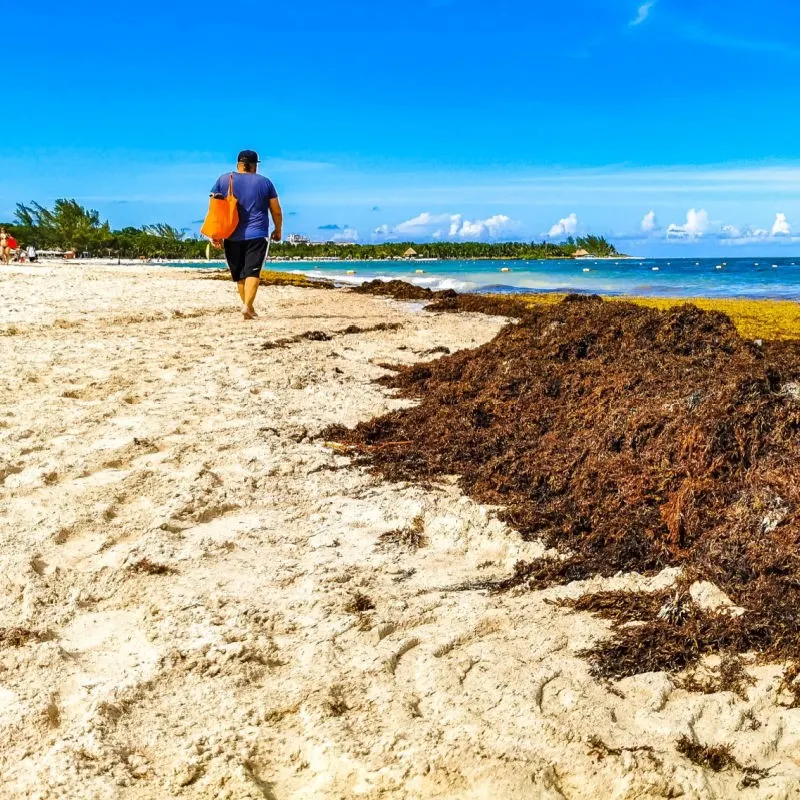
(222, 217)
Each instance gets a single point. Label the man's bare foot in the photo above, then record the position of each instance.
(247, 313)
(253, 311)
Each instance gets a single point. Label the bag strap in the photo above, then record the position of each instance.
(230, 186)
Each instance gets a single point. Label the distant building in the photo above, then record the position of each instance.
(297, 238)
(581, 253)
(410, 253)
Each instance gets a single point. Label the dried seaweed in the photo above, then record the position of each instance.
(719, 758)
(335, 704)
(480, 304)
(400, 290)
(277, 278)
(621, 607)
(381, 326)
(17, 637)
(358, 603)
(148, 567)
(600, 749)
(411, 537)
(730, 676)
(630, 439)
(446, 299)
(714, 757)
(323, 336)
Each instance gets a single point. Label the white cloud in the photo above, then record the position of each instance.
(564, 227)
(731, 232)
(430, 226)
(422, 223)
(346, 235)
(734, 232)
(649, 223)
(643, 13)
(781, 227)
(695, 226)
(480, 228)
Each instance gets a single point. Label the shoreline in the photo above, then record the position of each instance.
(755, 317)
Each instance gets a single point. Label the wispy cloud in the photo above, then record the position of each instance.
(643, 13)
(345, 235)
(715, 38)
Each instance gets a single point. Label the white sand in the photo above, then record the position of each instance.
(128, 431)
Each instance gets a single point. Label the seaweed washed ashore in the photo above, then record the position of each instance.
(629, 439)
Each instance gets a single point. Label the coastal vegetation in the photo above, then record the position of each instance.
(593, 245)
(69, 226)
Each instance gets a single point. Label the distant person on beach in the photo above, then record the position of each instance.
(246, 248)
(31, 254)
(5, 246)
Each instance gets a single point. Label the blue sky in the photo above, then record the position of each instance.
(669, 126)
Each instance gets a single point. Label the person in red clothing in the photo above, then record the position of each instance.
(6, 245)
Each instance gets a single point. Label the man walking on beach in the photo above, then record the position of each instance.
(246, 247)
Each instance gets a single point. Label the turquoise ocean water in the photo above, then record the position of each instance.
(777, 278)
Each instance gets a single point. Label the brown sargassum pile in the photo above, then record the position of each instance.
(399, 290)
(445, 299)
(630, 439)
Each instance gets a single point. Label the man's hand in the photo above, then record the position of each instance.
(217, 243)
(277, 219)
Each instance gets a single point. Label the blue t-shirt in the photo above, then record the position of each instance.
(253, 193)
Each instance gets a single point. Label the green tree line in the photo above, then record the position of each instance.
(595, 245)
(70, 226)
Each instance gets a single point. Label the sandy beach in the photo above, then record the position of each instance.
(199, 598)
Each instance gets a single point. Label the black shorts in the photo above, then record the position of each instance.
(245, 258)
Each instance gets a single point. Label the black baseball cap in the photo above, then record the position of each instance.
(248, 157)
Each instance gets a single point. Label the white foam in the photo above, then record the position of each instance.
(428, 281)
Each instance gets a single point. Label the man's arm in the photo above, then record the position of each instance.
(216, 189)
(277, 219)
